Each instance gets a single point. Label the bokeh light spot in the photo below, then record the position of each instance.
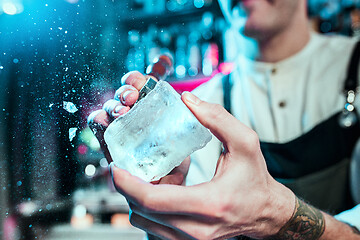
(9, 8)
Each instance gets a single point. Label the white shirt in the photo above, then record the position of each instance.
(280, 101)
(309, 86)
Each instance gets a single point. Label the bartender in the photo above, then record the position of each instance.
(241, 199)
(298, 95)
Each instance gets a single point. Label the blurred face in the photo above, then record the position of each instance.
(266, 18)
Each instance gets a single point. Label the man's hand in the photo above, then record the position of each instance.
(124, 99)
(241, 199)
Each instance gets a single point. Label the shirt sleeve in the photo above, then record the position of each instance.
(351, 216)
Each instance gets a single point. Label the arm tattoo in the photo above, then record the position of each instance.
(306, 222)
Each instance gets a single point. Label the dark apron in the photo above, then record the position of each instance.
(315, 166)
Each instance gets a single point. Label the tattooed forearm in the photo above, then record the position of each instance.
(307, 222)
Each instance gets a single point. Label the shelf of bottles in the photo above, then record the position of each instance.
(188, 30)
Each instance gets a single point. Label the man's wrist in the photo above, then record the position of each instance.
(290, 217)
(307, 222)
(276, 211)
(283, 204)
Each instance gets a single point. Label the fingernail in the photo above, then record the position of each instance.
(123, 79)
(125, 95)
(111, 168)
(191, 98)
(117, 110)
(92, 116)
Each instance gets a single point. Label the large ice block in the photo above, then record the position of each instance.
(156, 135)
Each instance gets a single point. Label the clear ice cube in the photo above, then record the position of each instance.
(156, 135)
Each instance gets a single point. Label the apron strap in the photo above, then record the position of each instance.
(227, 86)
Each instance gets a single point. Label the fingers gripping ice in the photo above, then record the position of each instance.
(156, 135)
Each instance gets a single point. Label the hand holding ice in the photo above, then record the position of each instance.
(156, 135)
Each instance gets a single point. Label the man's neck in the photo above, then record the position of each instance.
(284, 44)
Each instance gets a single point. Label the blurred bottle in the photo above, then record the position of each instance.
(135, 59)
(210, 58)
(165, 40)
(207, 25)
(151, 42)
(209, 48)
(154, 6)
(180, 56)
(194, 53)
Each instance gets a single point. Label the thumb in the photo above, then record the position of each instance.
(230, 131)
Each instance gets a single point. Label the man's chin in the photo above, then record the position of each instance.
(251, 32)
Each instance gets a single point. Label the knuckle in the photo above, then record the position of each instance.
(220, 209)
(253, 138)
(218, 110)
(252, 143)
(147, 202)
